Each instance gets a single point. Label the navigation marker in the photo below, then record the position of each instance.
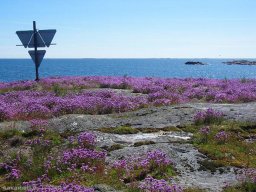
(47, 36)
(34, 39)
(40, 56)
(40, 42)
(25, 37)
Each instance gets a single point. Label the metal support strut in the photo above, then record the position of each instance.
(36, 56)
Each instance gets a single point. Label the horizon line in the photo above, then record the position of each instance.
(138, 58)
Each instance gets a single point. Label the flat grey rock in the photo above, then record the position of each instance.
(104, 188)
(153, 117)
(186, 160)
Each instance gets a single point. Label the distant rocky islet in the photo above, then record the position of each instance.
(234, 62)
(195, 63)
(240, 62)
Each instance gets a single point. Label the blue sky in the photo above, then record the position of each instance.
(134, 28)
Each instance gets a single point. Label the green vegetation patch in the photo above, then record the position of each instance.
(140, 143)
(7, 134)
(243, 187)
(154, 130)
(227, 144)
(120, 130)
(130, 130)
(210, 165)
(113, 147)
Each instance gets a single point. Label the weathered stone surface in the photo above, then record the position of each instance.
(104, 188)
(153, 117)
(108, 139)
(185, 157)
(186, 160)
(20, 125)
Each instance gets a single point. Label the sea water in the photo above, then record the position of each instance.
(24, 69)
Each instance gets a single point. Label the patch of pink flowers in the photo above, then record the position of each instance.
(247, 175)
(83, 156)
(208, 116)
(155, 185)
(221, 137)
(156, 158)
(85, 138)
(205, 130)
(13, 173)
(20, 101)
(61, 188)
(39, 124)
(38, 142)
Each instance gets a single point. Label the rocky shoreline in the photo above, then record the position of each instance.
(240, 62)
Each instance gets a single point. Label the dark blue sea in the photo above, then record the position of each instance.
(23, 69)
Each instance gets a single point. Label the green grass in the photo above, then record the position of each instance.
(120, 130)
(113, 147)
(243, 187)
(30, 163)
(90, 179)
(53, 136)
(165, 173)
(63, 91)
(210, 120)
(112, 178)
(7, 134)
(36, 168)
(140, 143)
(31, 133)
(130, 130)
(154, 130)
(209, 165)
(235, 151)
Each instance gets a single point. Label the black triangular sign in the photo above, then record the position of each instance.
(24, 37)
(40, 56)
(47, 36)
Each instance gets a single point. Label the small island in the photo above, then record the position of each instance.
(240, 62)
(194, 63)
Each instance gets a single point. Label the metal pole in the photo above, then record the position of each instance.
(35, 45)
